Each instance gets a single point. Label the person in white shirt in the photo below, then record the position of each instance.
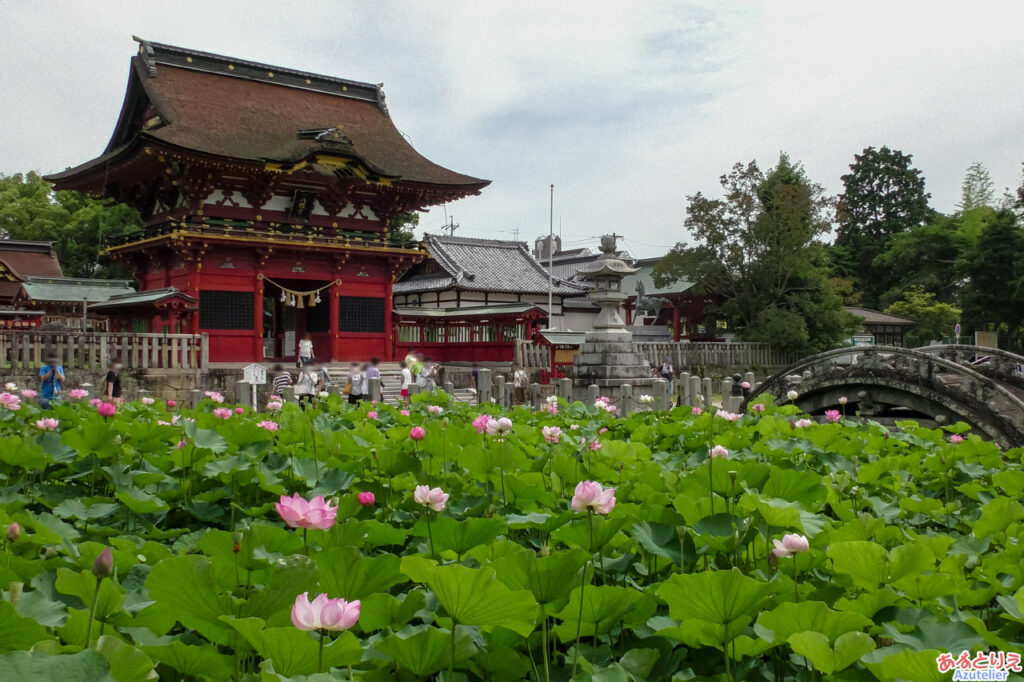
(306, 350)
(370, 371)
(519, 381)
(406, 381)
(355, 379)
(305, 386)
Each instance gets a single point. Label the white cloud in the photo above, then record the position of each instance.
(626, 107)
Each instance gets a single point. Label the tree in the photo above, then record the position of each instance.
(80, 227)
(977, 189)
(883, 196)
(993, 297)
(933, 319)
(758, 251)
(402, 227)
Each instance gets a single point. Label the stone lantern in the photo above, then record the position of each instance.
(606, 274)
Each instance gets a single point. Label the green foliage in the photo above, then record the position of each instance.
(883, 196)
(994, 269)
(759, 252)
(79, 227)
(933, 320)
(977, 189)
(916, 547)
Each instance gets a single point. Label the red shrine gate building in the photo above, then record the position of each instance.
(266, 195)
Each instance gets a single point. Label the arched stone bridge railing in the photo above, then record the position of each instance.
(936, 383)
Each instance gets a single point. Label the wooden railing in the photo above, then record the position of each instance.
(28, 349)
(733, 356)
(531, 356)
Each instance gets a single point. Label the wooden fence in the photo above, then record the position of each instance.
(726, 356)
(27, 349)
(531, 356)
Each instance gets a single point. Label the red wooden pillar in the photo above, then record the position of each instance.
(333, 316)
(629, 314)
(675, 323)
(195, 292)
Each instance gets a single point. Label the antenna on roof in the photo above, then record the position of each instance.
(451, 226)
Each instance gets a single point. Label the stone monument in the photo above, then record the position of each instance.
(607, 356)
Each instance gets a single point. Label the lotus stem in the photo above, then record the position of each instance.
(451, 661)
(92, 612)
(579, 623)
(320, 652)
(430, 537)
(796, 586)
(544, 642)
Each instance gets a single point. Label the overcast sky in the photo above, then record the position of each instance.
(627, 107)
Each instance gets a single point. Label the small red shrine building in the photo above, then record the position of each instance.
(266, 195)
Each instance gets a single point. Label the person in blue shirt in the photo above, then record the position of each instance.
(52, 377)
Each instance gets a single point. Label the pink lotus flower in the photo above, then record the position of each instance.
(13, 532)
(603, 429)
(435, 409)
(595, 445)
(28, 393)
(268, 425)
(239, 410)
(106, 409)
(9, 401)
(146, 401)
(612, 409)
(323, 613)
(803, 423)
(757, 407)
(727, 416)
(366, 499)
(222, 413)
(92, 403)
(48, 424)
(590, 496)
(276, 397)
(791, 544)
(434, 498)
(172, 403)
(574, 427)
(417, 433)
(552, 408)
(103, 567)
(274, 405)
(181, 443)
(696, 411)
(77, 393)
(298, 513)
(552, 434)
(955, 438)
(843, 400)
(371, 415)
(499, 427)
(719, 451)
(480, 423)
(214, 396)
(832, 416)
(404, 413)
(745, 385)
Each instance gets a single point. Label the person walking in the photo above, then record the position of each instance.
(306, 350)
(668, 373)
(305, 386)
(355, 384)
(282, 380)
(52, 378)
(371, 372)
(323, 376)
(112, 383)
(519, 381)
(406, 381)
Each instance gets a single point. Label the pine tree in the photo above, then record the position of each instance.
(977, 188)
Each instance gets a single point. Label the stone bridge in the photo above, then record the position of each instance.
(938, 384)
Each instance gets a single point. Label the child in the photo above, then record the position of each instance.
(52, 376)
(113, 383)
(406, 380)
(355, 380)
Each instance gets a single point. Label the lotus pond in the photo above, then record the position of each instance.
(152, 542)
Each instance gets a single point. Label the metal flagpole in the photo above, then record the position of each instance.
(551, 259)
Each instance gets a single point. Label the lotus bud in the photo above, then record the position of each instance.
(50, 552)
(237, 545)
(15, 590)
(103, 567)
(13, 532)
(732, 478)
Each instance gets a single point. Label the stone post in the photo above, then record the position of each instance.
(195, 396)
(565, 389)
(626, 403)
(708, 388)
(375, 392)
(750, 379)
(499, 390)
(509, 397)
(593, 393)
(684, 388)
(726, 391)
(483, 387)
(534, 396)
(449, 388)
(414, 389)
(694, 391)
(659, 391)
(243, 394)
